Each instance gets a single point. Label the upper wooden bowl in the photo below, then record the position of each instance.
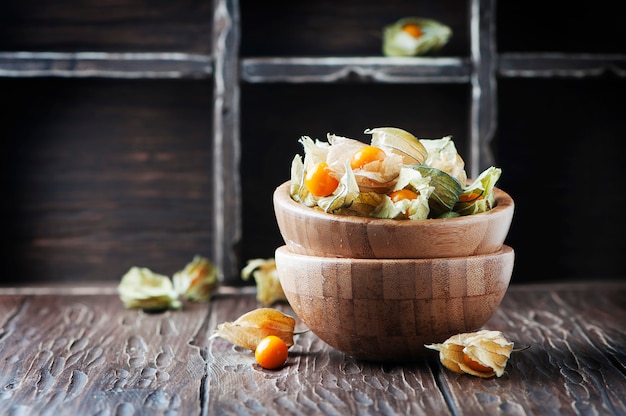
(314, 232)
(386, 310)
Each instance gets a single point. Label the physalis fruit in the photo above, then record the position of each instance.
(251, 327)
(483, 353)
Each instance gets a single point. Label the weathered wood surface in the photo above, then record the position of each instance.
(85, 355)
(576, 360)
(79, 352)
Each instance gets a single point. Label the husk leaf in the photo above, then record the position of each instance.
(269, 289)
(401, 142)
(446, 190)
(250, 328)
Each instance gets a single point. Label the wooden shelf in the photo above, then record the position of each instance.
(105, 65)
(360, 69)
(164, 65)
(530, 65)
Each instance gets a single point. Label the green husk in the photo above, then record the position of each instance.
(479, 196)
(446, 193)
(401, 142)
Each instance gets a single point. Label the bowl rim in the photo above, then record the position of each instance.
(504, 205)
(503, 251)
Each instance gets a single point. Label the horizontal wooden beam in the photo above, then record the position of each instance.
(25, 64)
(375, 69)
(560, 65)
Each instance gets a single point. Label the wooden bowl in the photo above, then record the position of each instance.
(313, 232)
(386, 310)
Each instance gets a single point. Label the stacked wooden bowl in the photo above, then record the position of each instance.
(379, 289)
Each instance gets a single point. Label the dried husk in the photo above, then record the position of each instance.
(479, 195)
(345, 194)
(396, 42)
(250, 328)
(401, 142)
(442, 154)
(378, 176)
(141, 288)
(269, 289)
(416, 209)
(197, 281)
(488, 348)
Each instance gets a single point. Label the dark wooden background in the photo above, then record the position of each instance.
(98, 175)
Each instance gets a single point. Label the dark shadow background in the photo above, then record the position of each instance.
(97, 175)
(560, 141)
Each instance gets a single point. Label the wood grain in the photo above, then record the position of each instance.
(317, 379)
(94, 185)
(82, 353)
(575, 363)
(88, 355)
(124, 25)
(314, 232)
(386, 310)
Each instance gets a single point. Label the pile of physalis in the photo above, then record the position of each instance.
(266, 331)
(396, 176)
(141, 288)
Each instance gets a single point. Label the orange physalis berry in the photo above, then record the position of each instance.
(471, 196)
(271, 353)
(319, 181)
(475, 365)
(399, 195)
(403, 194)
(365, 155)
(413, 30)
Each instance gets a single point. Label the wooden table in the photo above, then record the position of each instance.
(78, 351)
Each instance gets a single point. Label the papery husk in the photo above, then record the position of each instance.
(446, 190)
(363, 206)
(341, 149)
(401, 142)
(141, 288)
(297, 190)
(442, 155)
(315, 151)
(488, 348)
(343, 197)
(152, 303)
(479, 195)
(378, 176)
(269, 289)
(416, 209)
(396, 42)
(250, 328)
(197, 281)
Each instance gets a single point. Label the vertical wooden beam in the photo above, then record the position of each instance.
(483, 119)
(226, 141)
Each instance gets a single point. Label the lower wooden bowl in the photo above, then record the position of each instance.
(386, 310)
